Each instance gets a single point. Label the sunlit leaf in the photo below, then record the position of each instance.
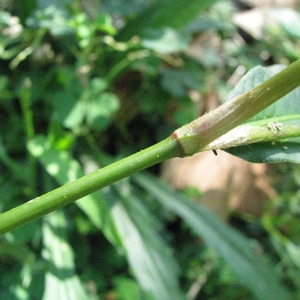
(127, 289)
(63, 168)
(104, 23)
(61, 280)
(53, 18)
(100, 110)
(95, 107)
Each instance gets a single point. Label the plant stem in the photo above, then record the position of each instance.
(90, 183)
(194, 136)
(186, 140)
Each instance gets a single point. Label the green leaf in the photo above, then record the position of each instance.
(150, 258)
(73, 115)
(104, 23)
(177, 14)
(174, 14)
(4, 19)
(6, 92)
(284, 107)
(25, 9)
(127, 289)
(66, 108)
(61, 280)
(272, 152)
(286, 111)
(123, 8)
(288, 19)
(15, 251)
(165, 40)
(53, 18)
(100, 110)
(95, 106)
(251, 269)
(178, 82)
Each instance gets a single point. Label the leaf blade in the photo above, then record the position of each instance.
(173, 14)
(61, 281)
(149, 256)
(252, 270)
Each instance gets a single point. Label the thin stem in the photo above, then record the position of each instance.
(90, 183)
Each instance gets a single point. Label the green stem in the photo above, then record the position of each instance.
(90, 183)
(184, 141)
(195, 136)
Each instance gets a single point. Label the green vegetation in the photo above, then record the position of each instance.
(85, 85)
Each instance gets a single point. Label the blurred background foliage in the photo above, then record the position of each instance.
(89, 82)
